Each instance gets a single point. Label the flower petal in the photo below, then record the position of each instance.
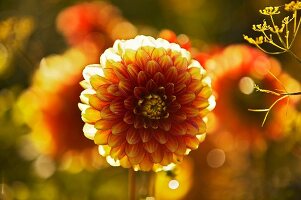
(117, 107)
(142, 58)
(181, 145)
(158, 53)
(146, 164)
(190, 111)
(114, 90)
(132, 71)
(138, 122)
(167, 158)
(97, 81)
(138, 158)
(115, 140)
(132, 150)
(101, 137)
(103, 94)
(165, 125)
(184, 78)
(181, 63)
(151, 85)
(129, 117)
(192, 128)
(186, 98)
(129, 103)
(140, 92)
(152, 67)
(157, 156)
(165, 62)
(160, 136)
(195, 73)
(150, 146)
(96, 103)
(180, 88)
(132, 136)
(110, 75)
(171, 74)
(178, 129)
(169, 88)
(125, 87)
(159, 79)
(195, 86)
(91, 70)
(142, 78)
(192, 142)
(119, 127)
(90, 115)
(179, 116)
(172, 144)
(118, 152)
(124, 162)
(103, 124)
(145, 135)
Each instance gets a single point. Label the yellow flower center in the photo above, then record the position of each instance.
(153, 107)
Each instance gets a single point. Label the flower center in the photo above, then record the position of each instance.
(153, 107)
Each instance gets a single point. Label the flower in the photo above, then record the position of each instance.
(49, 108)
(270, 11)
(237, 70)
(145, 103)
(93, 26)
(293, 6)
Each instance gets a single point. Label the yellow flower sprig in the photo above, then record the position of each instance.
(285, 33)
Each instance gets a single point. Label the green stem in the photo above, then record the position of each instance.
(132, 185)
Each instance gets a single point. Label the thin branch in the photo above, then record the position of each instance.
(279, 36)
(295, 56)
(295, 33)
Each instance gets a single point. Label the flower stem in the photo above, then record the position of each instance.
(291, 93)
(295, 56)
(151, 186)
(132, 185)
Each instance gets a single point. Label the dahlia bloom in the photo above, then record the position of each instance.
(49, 107)
(237, 68)
(145, 103)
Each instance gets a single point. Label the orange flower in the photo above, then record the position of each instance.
(49, 107)
(145, 104)
(93, 26)
(237, 69)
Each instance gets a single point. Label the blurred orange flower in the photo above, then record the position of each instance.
(237, 68)
(145, 103)
(49, 107)
(93, 26)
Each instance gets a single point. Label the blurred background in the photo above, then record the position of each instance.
(44, 46)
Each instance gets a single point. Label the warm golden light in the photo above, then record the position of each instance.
(173, 184)
(216, 158)
(246, 85)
